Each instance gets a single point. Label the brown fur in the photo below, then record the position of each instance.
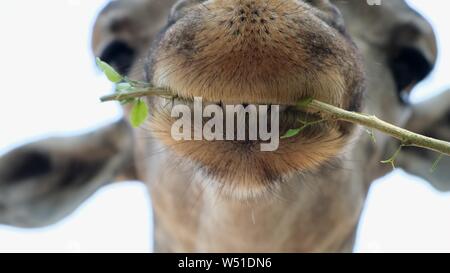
(256, 52)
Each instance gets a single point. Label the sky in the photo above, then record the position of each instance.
(46, 61)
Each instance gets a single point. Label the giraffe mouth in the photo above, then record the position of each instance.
(253, 117)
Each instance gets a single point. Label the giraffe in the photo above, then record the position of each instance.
(228, 196)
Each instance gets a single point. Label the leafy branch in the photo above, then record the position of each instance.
(130, 91)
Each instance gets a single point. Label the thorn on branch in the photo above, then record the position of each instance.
(393, 157)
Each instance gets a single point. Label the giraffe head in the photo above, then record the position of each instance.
(273, 52)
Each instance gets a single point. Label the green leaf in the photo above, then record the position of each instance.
(139, 113)
(126, 101)
(110, 72)
(124, 87)
(304, 103)
(291, 133)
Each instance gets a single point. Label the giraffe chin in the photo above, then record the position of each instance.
(255, 173)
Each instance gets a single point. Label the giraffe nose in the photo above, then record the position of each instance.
(255, 51)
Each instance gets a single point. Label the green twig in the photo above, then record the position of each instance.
(151, 91)
(393, 157)
(407, 138)
(327, 111)
(130, 91)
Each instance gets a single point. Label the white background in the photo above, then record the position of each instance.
(50, 86)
